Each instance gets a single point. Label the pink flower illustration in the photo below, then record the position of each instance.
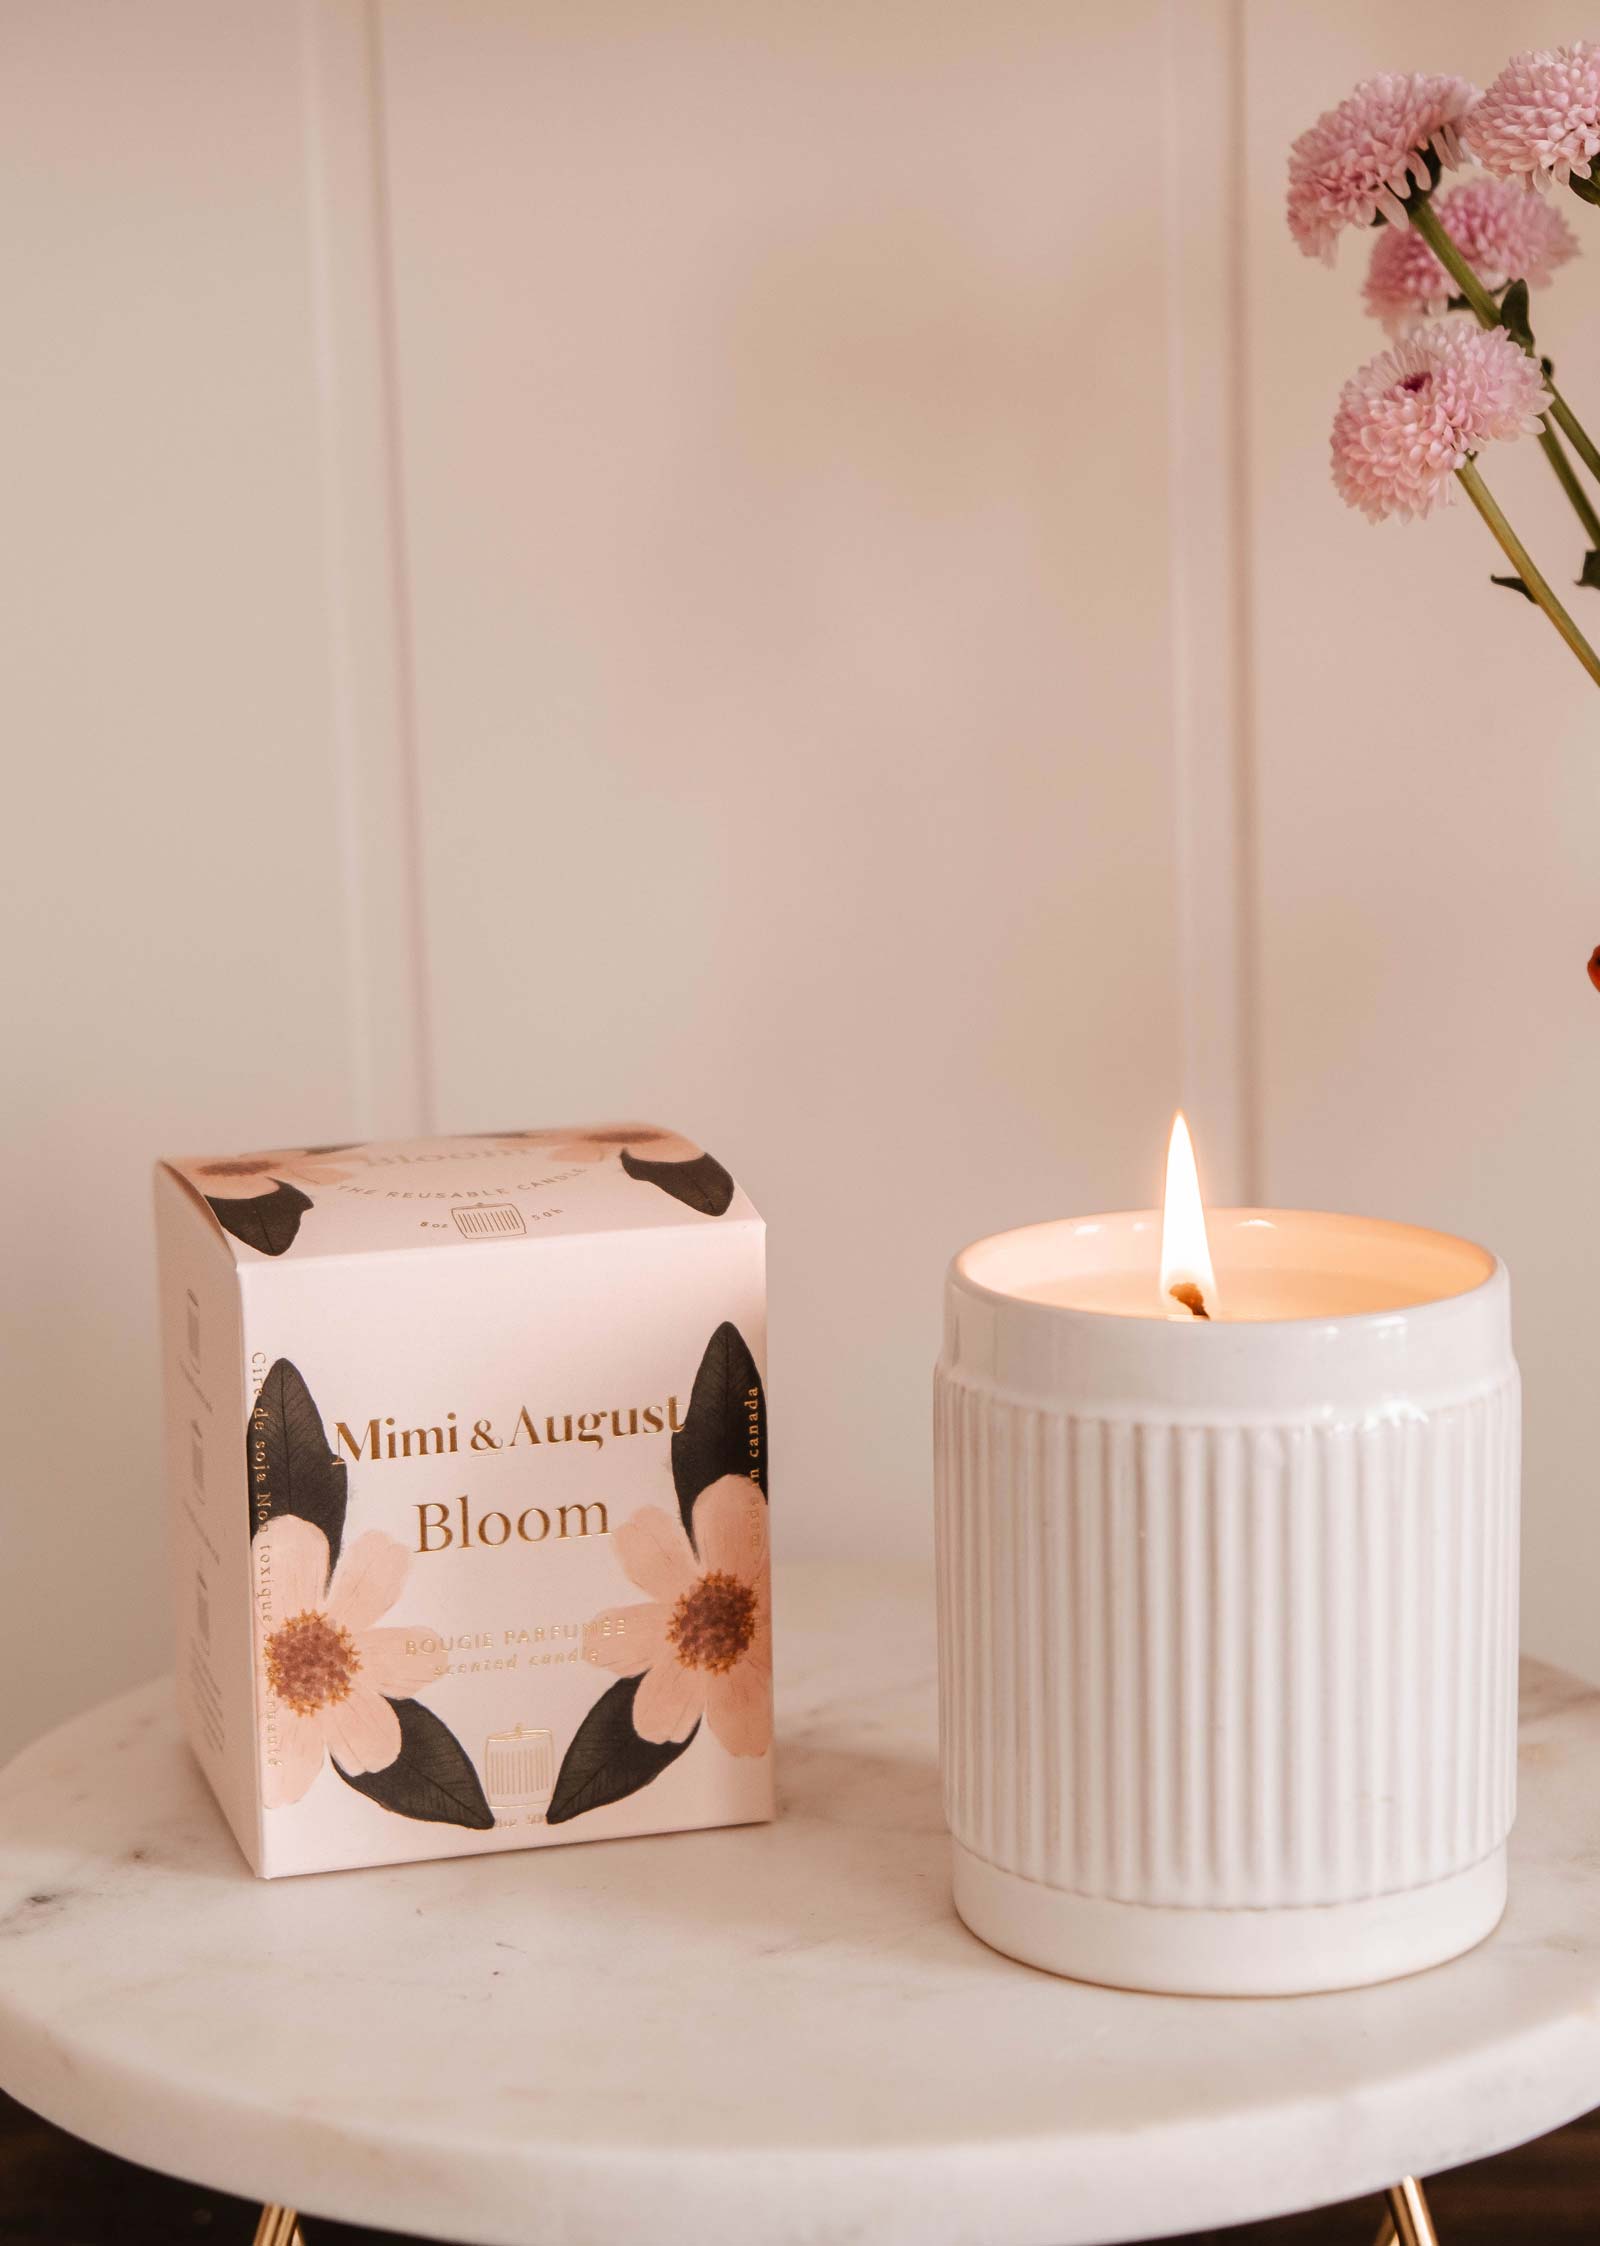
(1409, 419)
(1360, 161)
(702, 1641)
(327, 1674)
(1504, 230)
(1540, 120)
(242, 1177)
(597, 1142)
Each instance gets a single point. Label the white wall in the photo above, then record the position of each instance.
(1428, 780)
(793, 681)
(704, 560)
(201, 936)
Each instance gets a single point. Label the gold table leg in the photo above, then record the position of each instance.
(279, 2226)
(1408, 2222)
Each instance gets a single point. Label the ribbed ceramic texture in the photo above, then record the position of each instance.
(1228, 1665)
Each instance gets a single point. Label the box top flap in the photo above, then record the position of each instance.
(510, 1186)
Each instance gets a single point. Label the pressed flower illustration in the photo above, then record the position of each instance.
(647, 1153)
(698, 1647)
(329, 1675)
(332, 1682)
(702, 1639)
(600, 1142)
(258, 1198)
(244, 1177)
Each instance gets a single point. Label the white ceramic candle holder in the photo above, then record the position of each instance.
(1228, 1610)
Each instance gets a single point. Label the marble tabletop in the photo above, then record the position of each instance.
(781, 2032)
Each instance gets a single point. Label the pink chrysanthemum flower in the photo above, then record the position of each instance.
(1540, 120)
(1505, 231)
(1412, 415)
(1359, 162)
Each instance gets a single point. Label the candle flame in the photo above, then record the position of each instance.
(1186, 1273)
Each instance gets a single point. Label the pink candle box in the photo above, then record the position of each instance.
(467, 1459)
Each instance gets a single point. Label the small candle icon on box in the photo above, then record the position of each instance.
(498, 1222)
(519, 1769)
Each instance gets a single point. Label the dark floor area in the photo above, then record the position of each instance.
(56, 2191)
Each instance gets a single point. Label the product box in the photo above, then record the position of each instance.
(467, 1453)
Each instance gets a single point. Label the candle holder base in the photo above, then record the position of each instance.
(1174, 1950)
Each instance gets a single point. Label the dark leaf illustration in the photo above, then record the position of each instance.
(288, 1465)
(269, 1221)
(608, 1760)
(432, 1776)
(1512, 585)
(1590, 573)
(725, 1429)
(702, 1184)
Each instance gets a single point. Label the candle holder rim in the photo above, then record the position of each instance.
(1494, 1275)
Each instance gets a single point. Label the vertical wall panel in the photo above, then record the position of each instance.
(197, 661)
(788, 460)
(1428, 781)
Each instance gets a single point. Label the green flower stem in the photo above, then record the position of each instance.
(1427, 223)
(1522, 562)
(1581, 442)
(1555, 452)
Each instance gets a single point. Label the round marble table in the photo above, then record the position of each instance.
(779, 2033)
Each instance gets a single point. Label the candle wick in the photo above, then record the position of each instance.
(1186, 1292)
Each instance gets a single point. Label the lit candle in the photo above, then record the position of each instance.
(1245, 1264)
(1187, 1276)
(1227, 1512)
